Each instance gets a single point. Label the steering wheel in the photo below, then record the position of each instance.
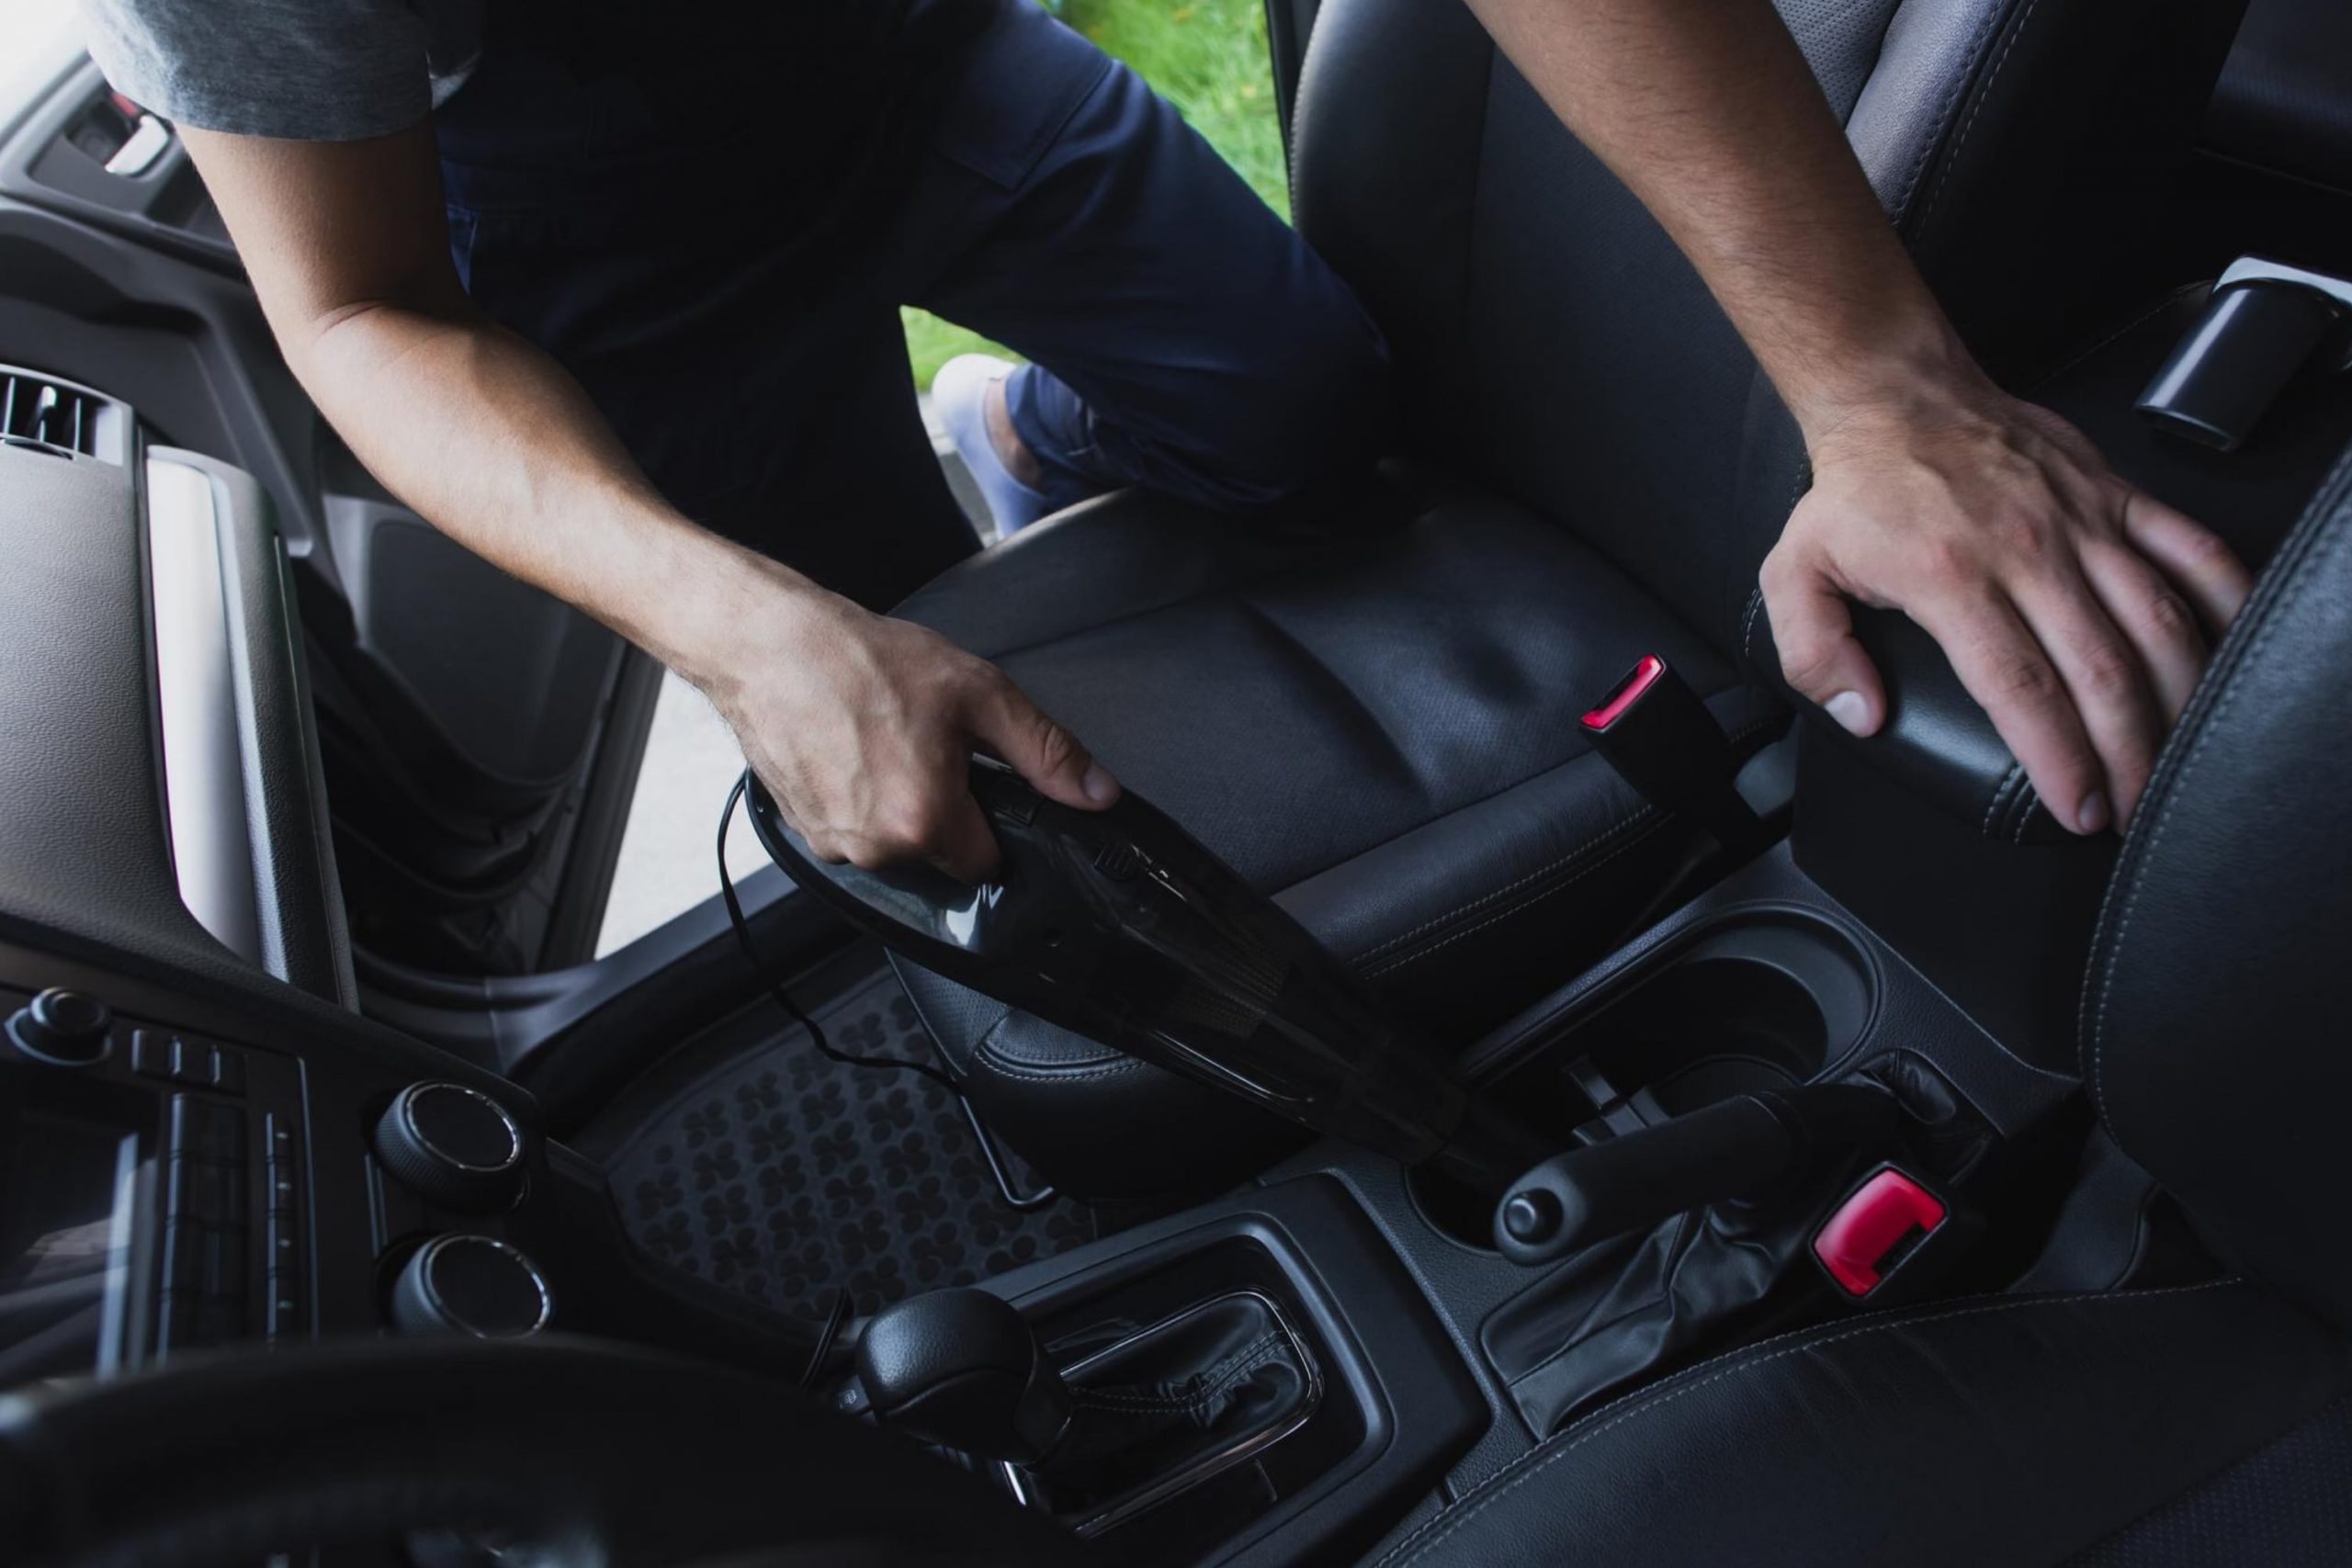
(595, 1454)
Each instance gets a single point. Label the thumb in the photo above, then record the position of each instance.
(1040, 750)
(1812, 627)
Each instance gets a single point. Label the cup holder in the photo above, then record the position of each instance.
(1753, 1001)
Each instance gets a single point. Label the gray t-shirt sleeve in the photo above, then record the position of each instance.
(308, 69)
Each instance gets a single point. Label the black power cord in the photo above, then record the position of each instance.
(825, 1047)
(1013, 1197)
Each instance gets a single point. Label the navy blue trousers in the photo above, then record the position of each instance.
(732, 308)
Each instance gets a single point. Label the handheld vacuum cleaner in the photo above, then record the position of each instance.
(1122, 927)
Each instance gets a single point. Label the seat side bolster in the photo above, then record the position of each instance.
(2008, 1430)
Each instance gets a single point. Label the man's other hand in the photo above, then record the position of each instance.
(863, 728)
(2076, 609)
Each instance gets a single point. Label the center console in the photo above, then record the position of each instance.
(183, 1175)
(1841, 1079)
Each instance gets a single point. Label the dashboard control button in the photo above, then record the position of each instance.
(151, 1052)
(191, 1061)
(61, 1027)
(228, 1069)
(453, 1146)
(471, 1284)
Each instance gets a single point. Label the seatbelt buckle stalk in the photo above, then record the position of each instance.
(1660, 737)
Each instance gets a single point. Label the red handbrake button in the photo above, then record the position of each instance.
(1881, 1222)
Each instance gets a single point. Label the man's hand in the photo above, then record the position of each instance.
(2068, 602)
(863, 726)
(2074, 607)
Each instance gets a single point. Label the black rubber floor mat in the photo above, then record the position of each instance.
(783, 1176)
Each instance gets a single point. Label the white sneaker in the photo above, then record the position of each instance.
(959, 397)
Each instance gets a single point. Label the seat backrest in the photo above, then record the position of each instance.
(2217, 1013)
(2285, 99)
(1556, 346)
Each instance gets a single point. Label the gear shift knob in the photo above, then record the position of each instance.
(964, 1368)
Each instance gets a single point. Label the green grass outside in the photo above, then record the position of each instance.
(1208, 58)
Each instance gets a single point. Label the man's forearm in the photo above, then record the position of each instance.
(481, 432)
(1708, 112)
(861, 726)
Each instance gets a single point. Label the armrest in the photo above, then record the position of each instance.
(1936, 742)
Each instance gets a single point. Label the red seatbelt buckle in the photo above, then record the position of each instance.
(1655, 731)
(1890, 1235)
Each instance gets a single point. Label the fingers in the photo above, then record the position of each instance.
(959, 841)
(2004, 667)
(2192, 556)
(1813, 630)
(2144, 603)
(1002, 718)
(939, 825)
(2108, 682)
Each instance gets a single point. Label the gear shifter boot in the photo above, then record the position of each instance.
(1166, 1408)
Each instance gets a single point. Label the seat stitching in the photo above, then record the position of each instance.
(1399, 961)
(1976, 47)
(1239, 1364)
(1960, 144)
(1747, 624)
(1528, 1465)
(1003, 1068)
(985, 1053)
(1743, 733)
(2001, 788)
(1738, 736)
(2109, 339)
(2287, 580)
(1596, 842)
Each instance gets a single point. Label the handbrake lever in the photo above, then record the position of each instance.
(1735, 1148)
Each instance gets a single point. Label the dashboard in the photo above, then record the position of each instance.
(202, 1140)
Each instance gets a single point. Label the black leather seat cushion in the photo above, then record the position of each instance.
(2019, 1431)
(1375, 718)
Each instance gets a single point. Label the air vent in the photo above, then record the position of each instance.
(56, 417)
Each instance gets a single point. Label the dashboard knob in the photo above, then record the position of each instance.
(66, 1028)
(471, 1284)
(453, 1146)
